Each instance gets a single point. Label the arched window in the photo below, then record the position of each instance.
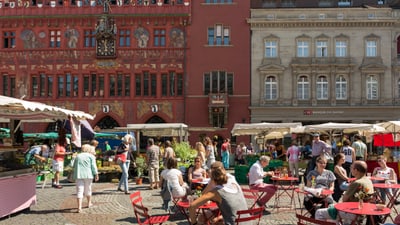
(322, 87)
(107, 123)
(372, 88)
(341, 88)
(303, 88)
(271, 88)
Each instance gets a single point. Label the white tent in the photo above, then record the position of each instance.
(158, 129)
(262, 128)
(330, 128)
(18, 109)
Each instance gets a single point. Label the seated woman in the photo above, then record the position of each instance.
(225, 191)
(196, 172)
(319, 178)
(175, 184)
(387, 173)
(342, 180)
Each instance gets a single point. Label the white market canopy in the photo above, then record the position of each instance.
(158, 129)
(18, 109)
(330, 128)
(390, 126)
(262, 128)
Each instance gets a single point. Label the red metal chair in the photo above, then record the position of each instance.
(249, 215)
(251, 195)
(142, 212)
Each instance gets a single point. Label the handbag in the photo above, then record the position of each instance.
(120, 158)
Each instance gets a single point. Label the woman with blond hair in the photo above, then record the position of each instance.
(210, 156)
(85, 170)
(124, 149)
(201, 152)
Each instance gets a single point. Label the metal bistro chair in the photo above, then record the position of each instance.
(142, 212)
(251, 197)
(254, 214)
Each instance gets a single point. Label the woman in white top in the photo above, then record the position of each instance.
(385, 172)
(178, 188)
(209, 152)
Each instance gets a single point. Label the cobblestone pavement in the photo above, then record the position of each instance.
(58, 207)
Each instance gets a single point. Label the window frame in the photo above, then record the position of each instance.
(372, 82)
(321, 45)
(340, 48)
(322, 87)
(303, 87)
(219, 35)
(271, 88)
(341, 88)
(271, 51)
(55, 38)
(303, 51)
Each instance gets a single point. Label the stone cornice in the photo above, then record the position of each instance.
(325, 24)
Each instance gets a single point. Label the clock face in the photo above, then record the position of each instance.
(105, 48)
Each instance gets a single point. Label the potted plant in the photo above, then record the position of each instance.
(140, 168)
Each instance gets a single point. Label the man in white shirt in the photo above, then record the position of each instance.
(256, 180)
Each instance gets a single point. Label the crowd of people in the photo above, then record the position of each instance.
(349, 173)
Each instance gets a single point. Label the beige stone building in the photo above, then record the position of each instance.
(315, 65)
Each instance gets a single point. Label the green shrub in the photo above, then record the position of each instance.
(184, 151)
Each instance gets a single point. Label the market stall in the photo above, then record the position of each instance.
(18, 183)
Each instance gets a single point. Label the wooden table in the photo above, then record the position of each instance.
(368, 209)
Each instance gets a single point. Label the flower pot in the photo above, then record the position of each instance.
(139, 180)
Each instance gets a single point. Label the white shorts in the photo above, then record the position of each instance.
(83, 187)
(58, 166)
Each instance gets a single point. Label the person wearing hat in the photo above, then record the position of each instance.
(319, 147)
(360, 147)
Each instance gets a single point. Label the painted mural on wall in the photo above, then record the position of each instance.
(30, 39)
(177, 38)
(142, 36)
(72, 36)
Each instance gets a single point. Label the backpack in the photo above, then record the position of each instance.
(29, 158)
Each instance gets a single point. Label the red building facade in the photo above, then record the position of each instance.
(218, 67)
(132, 61)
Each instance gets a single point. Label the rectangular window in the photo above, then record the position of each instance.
(146, 84)
(9, 39)
(138, 84)
(171, 84)
(42, 85)
(371, 48)
(55, 39)
(153, 85)
(218, 35)
(112, 85)
(218, 82)
(60, 88)
(322, 48)
(271, 49)
(9, 86)
(124, 38)
(159, 38)
(93, 85)
(89, 38)
(303, 49)
(127, 85)
(341, 49)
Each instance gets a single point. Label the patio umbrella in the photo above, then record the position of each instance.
(330, 128)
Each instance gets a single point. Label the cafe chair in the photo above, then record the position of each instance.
(253, 214)
(251, 197)
(305, 220)
(142, 213)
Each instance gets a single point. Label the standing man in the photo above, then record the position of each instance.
(153, 161)
(319, 147)
(225, 149)
(256, 180)
(360, 147)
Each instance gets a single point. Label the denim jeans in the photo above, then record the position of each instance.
(124, 177)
